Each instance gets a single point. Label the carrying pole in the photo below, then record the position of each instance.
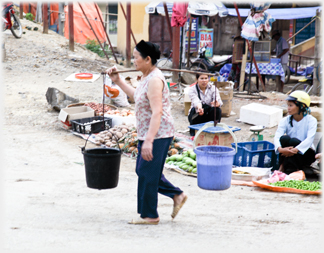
(94, 32)
(111, 47)
(250, 49)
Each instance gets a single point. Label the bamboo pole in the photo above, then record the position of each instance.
(162, 69)
(111, 47)
(94, 32)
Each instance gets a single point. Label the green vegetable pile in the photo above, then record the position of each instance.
(186, 161)
(299, 184)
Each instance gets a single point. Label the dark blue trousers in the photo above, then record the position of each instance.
(298, 161)
(151, 181)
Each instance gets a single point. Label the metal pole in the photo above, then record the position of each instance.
(111, 47)
(94, 32)
(128, 33)
(189, 40)
(317, 54)
(61, 18)
(122, 8)
(45, 18)
(168, 19)
(175, 51)
(71, 27)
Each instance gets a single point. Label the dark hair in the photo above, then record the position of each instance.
(199, 74)
(146, 48)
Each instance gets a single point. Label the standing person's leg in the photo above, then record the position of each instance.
(150, 178)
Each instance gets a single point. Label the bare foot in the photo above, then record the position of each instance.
(151, 219)
(177, 199)
(281, 168)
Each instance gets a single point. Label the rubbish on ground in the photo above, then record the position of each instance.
(58, 99)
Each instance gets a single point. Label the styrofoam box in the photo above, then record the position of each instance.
(118, 120)
(259, 114)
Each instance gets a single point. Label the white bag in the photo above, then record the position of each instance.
(115, 93)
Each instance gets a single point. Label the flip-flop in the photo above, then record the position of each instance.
(177, 208)
(141, 221)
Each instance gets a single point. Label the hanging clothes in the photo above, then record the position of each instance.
(179, 14)
(258, 21)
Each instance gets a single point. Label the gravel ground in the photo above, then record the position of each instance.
(47, 205)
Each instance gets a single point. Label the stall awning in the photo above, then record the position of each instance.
(283, 13)
(196, 8)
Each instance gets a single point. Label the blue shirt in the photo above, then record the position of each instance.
(304, 130)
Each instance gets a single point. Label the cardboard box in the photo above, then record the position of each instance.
(72, 113)
(220, 139)
(226, 94)
(187, 103)
(260, 114)
(316, 112)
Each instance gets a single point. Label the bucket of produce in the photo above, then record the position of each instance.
(101, 167)
(214, 167)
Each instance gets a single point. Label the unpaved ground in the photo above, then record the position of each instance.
(47, 205)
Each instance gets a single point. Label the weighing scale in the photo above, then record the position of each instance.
(256, 136)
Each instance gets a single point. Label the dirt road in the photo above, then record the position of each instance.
(47, 205)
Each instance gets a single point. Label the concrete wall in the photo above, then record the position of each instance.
(139, 26)
(306, 48)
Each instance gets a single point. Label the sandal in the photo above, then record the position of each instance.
(141, 221)
(177, 208)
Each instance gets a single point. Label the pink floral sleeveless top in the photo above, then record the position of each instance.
(143, 110)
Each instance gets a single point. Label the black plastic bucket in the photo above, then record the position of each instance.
(102, 167)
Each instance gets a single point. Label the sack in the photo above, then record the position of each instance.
(115, 93)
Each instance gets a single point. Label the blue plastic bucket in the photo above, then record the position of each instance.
(214, 167)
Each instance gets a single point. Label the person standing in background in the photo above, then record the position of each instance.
(282, 52)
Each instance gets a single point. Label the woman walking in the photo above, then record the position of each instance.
(155, 132)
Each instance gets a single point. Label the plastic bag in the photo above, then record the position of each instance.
(115, 93)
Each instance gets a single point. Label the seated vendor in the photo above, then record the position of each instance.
(295, 135)
(203, 103)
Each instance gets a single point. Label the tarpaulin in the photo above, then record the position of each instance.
(82, 30)
(282, 13)
(33, 7)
